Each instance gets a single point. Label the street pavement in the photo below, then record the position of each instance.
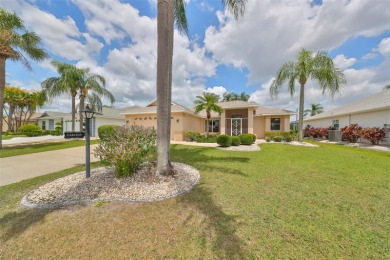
(17, 168)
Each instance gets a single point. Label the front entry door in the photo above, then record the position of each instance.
(236, 126)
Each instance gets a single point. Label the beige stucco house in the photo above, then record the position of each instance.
(237, 117)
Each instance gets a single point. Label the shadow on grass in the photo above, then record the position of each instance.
(15, 223)
(221, 227)
(202, 161)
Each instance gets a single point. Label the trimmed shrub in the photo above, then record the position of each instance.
(126, 148)
(268, 139)
(288, 139)
(253, 138)
(236, 141)
(192, 136)
(224, 140)
(374, 135)
(273, 134)
(209, 139)
(105, 131)
(246, 139)
(30, 130)
(277, 139)
(352, 132)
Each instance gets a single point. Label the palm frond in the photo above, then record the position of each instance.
(236, 7)
(180, 16)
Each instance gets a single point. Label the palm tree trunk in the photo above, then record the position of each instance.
(165, 23)
(10, 119)
(2, 86)
(301, 105)
(73, 111)
(81, 108)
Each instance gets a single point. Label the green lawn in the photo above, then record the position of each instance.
(44, 147)
(7, 137)
(281, 202)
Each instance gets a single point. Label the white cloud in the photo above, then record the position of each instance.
(218, 90)
(384, 47)
(343, 62)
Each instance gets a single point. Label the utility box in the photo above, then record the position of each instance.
(335, 135)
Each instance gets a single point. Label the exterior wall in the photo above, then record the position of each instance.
(262, 124)
(46, 120)
(369, 119)
(192, 123)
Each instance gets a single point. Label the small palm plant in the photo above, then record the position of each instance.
(207, 102)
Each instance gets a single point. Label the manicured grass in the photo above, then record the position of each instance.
(44, 147)
(7, 137)
(281, 202)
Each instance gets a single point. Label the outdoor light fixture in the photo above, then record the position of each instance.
(88, 114)
(177, 120)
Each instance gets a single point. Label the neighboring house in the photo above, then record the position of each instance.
(32, 120)
(110, 116)
(237, 117)
(373, 111)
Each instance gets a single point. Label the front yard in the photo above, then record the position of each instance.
(281, 202)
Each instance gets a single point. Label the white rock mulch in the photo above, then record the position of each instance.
(241, 148)
(142, 186)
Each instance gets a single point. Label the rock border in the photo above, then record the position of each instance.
(24, 202)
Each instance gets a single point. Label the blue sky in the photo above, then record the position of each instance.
(117, 39)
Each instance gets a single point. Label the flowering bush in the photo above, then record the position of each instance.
(352, 132)
(126, 148)
(316, 132)
(374, 134)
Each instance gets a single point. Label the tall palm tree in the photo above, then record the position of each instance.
(91, 87)
(207, 102)
(318, 67)
(314, 110)
(66, 83)
(15, 44)
(169, 11)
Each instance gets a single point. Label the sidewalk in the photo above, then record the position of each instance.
(17, 168)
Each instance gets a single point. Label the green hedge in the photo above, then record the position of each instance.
(236, 141)
(209, 139)
(192, 136)
(273, 134)
(224, 140)
(105, 131)
(246, 139)
(277, 139)
(30, 130)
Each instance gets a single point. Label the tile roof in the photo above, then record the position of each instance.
(375, 102)
(265, 111)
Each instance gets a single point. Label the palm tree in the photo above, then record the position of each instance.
(66, 83)
(207, 102)
(94, 83)
(169, 11)
(315, 109)
(318, 67)
(73, 80)
(15, 44)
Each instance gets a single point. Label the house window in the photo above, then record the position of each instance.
(51, 124)
(213, 126)
(335, 124)
(275, 124)
(43, 125)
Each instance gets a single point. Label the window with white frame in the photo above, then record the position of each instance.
(213, 126)
(43, 125)
(275, 124)
(335, 124)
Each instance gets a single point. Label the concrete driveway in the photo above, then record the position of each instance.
(17, 168)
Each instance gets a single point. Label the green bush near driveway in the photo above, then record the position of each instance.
(246, 139)
(30, 130)
(236, 141)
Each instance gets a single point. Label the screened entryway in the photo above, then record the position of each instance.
(236, 122)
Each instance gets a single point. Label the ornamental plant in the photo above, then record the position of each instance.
(192, 136)
(30, 130)
(236, 141)
(224, 140)
(246, 139)
(374, 134)
(352, 133)
(127, 147)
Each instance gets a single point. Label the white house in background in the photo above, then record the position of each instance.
(110, 116)
(373, 111)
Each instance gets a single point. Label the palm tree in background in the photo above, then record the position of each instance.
(169, 12)
(73, 81)
(230, 96)
(66, 83)
(318, 67)
(314, 110)
(207, 102)
(91, 87)
(15, 44)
